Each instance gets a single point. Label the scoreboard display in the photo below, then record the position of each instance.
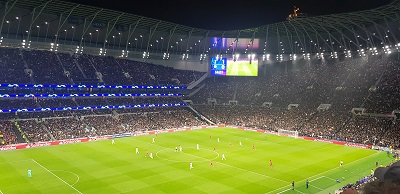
(218, 66)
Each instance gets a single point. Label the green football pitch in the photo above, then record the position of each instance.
(242, 68)
(102, 167)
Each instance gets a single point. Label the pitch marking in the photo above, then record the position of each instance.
(226, 165)
(56, 176)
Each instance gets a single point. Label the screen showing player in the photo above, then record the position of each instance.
(242, 67)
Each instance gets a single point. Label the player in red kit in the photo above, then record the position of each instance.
(147, 153)
(214, 148)
(270, 163)
(211, 164)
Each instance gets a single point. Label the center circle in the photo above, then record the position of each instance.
(187, 155)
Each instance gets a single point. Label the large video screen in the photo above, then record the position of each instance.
(242, 43)
(229, 67)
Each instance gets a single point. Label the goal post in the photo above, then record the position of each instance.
(283, 132)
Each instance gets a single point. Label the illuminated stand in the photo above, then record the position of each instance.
(88, 108)
(87, 86)
(82, 95)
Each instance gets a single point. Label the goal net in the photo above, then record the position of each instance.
(282, 132)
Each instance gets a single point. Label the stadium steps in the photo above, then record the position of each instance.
(80, 68)
(344, 124)
(197, 82)
(62, 66)
(21, 138)
(26, 66)
(376, 84)
(235, 93)
(199, 115)
(387, 131)
(123, 70)
(48, 131)
(197, 90)
(308, 119)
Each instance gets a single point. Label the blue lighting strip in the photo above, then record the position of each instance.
(87, 86)
(89, 107)
(83, 95)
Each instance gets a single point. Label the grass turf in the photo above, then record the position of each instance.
(100, 167)
(242, 68)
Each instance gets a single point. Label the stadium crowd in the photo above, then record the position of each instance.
(356, 83)
(78, 125)
(286, 97)
(26, 66)
(7, 136)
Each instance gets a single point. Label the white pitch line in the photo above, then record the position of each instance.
(70, 173)
(56, 176)
(329, 178)
(289, 190)
(328, 171)
(284, 191)
(226, 164)
(1, 192)
(204, 160)
(299, 191)
(316, 187)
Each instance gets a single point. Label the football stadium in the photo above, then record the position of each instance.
(97, 100)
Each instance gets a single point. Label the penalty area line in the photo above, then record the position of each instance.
(249, 171)
(1, 192)
(56, 176)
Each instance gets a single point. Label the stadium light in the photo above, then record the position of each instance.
(202, 57)
(279, 57)
(185, 56)
(348, 54)
(334, 55)
(266, 57)
(102, 52)
(146, 55)
(166, 56)
(361, 53)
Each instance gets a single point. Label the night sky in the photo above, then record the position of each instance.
(230, 15)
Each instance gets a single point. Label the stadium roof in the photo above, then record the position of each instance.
(86, 25)
(228, 15)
